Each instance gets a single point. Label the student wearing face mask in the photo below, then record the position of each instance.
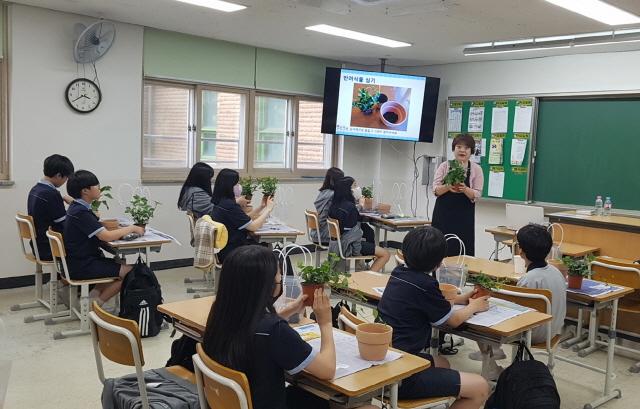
(367, 231)
(343, 209)
(228, 212)
(454, 212)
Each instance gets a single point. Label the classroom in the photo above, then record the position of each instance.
(319, 204)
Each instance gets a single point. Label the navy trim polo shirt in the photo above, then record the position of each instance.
(80, 232)
(46, 206)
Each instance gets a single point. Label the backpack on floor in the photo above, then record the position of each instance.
(526, 384)
(139, 299)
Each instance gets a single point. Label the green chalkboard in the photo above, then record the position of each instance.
(588, 147)
(516, 177)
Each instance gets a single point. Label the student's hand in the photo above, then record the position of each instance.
(465, 297)
(479, 304)
(137, 230)
(459, 188)
(242, 201)
(294, 307)
(270, 203)
(322, 307)
(67, 199)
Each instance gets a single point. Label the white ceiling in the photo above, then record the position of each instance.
(438, 29)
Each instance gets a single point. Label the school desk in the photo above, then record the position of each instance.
(190, 318)
(477, 265)
(399, 224)
(277, 233)
(152, 241)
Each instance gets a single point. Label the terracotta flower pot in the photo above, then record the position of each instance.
(575, 282)
(449, 291)
(373, 340)
(309, 290)
(368, 203)
(143, 225)
(110, 224)
(384, 208)
(480, 291)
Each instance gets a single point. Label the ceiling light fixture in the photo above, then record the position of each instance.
(555, 42)
(355, 35)
(216, 5)
(598, 10)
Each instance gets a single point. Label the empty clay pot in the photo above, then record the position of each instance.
(368, 203)
(110, 224)
(384, 208)
(393, 110)
(449, 291)
(373, 340)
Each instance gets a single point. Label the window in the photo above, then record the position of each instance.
(256, 133)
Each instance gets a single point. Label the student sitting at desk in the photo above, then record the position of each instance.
(195, 195)
(228, 212)
(535, 243)
(412, 303)
(343, 208)
(45, 203)
(245, 333)
(83, 235)
(323, 203)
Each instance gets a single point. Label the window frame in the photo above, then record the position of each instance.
(291, 173)
(5, 153)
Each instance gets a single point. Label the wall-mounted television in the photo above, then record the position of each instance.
(379, 105)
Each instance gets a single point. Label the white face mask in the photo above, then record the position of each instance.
(357, 192)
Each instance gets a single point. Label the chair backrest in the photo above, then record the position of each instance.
(192, 226)
(334, 233)
(399, 257)
(219, 386)
(537, 298)
(58, 252)
(615, 271)
(27, 231)
(313, 224)
(347, 321)
(115, 345)
(119, 341)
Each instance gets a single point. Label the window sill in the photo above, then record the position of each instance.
(7, 183)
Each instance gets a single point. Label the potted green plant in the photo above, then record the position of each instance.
(268, 185)
(484, 284)
(367, 193)
(324, 275)
(456, 174)
(449, 291)
(366, 101)
(577, 269)
(373, 340)
(140, 210)
(105, 193)
(249, 185)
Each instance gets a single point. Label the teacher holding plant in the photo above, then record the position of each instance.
(457, 185)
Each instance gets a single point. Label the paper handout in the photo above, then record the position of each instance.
(495, 151)
(496, 182)
(518, 148)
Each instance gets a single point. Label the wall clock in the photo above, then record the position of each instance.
(83, 95)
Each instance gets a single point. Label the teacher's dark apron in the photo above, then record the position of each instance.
(455, 214)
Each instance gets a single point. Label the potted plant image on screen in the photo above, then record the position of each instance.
(380, 107)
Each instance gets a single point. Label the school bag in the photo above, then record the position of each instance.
(525, 384)
(139, 299)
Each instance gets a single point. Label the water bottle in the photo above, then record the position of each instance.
(607, 207)
(599, 205)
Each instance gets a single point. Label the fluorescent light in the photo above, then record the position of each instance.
(637, 40)
(511, 42)
(598, 10)
(512, 50)
(355, 35)
(629, 31)
(573, 36)
(479, 45)
(216, 5)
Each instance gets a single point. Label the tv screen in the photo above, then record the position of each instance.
(379, 105)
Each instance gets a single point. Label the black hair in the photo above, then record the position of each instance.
(535, 241)
(57, 164)
(223, 187)
(330, 178)
(424, 248)
(342, 191)
(245, 295)
(200, 176)
(82, 179)
(466, 140)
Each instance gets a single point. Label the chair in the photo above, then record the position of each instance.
(399, 257)
(210, 269)
(27, 232)
(219, 386)
(348, 323)
(313, 224)
(334, 235)
(78, 309)
(540, 300)
(191, 219)
(118, 340)
(621, 272)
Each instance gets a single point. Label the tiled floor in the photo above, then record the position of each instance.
(61, 374)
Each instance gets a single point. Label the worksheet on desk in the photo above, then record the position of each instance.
(499, 311)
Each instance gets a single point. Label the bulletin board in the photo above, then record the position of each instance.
(504, 130)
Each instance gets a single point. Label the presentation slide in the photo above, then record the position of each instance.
(380, 105)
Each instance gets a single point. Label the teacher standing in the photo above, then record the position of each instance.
(454, 212)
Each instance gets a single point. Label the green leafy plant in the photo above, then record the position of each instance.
(249, 185)
(140, 210)
(366, 101)
(326, 273)
(105, 193)
(367, 192)
(578, 267)
(268, 185)
(456, 174)
(485, 281)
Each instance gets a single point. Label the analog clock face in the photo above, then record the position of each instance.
(83, 95)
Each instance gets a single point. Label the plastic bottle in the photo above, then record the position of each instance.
(599, 206)
(607, 207)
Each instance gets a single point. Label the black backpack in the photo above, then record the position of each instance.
(526, 384)
(139, 299)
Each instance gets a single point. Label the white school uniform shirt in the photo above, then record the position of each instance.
(548, 278)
